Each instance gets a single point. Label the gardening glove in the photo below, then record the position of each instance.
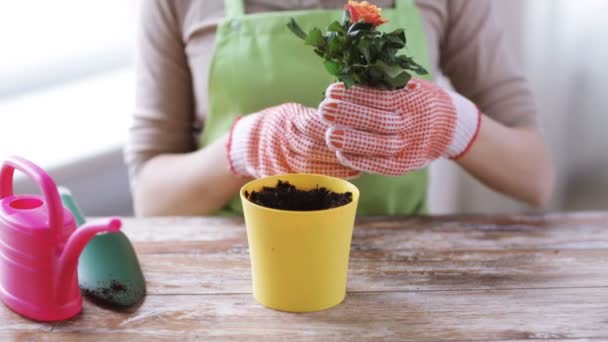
(394, 132)
(285, 139)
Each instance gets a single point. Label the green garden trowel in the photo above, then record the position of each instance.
(108, 269)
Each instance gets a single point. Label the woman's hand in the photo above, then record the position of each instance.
(285, 139)
(394, 132)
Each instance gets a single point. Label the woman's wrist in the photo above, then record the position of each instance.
(468, 124)
(238, 149)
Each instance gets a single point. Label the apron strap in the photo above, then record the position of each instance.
(234, 8)
(403, 4)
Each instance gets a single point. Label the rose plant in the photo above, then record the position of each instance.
(356, 53)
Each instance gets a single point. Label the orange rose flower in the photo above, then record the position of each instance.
(366, 11)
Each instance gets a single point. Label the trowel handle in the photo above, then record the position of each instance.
(70, 203)
(42, 179)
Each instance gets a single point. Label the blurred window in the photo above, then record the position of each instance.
(66, 79)
(45, 43)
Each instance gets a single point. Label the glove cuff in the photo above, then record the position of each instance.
(238, 147)
(468, 123)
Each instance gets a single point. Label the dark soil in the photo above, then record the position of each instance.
(117, 287)
(107, 292)
(286, 197)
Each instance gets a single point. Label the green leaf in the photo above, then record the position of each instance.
(408, 63)
(296, 29)
(418, 69)
(336, 45)
(389, 57)
(399, 34)
(394, 42)
(315, 38)
(364, 49)
(375, 73)
(332, 67)
(391, 70)
(347, 80)
(335, 27)
(375, 47)
(399, 81)
(393, 75)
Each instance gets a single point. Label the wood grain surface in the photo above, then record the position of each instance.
(484, 278)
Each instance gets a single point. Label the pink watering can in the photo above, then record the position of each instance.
(39, 247)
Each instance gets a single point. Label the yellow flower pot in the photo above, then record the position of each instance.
(299, 259)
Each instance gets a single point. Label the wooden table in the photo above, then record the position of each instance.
(499, 278)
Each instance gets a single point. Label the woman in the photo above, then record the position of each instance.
(210, 62)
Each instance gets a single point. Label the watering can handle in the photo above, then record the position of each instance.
(44, 181)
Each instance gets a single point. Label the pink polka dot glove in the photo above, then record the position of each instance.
(285, 139)
(394, 132)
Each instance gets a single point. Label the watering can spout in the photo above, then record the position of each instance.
(75, 245)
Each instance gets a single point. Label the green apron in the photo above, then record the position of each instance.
(259, 63)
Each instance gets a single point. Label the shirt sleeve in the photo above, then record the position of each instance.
(163, 120)
(475, 56)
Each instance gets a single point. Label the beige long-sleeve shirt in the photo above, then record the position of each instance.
(176, 45)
